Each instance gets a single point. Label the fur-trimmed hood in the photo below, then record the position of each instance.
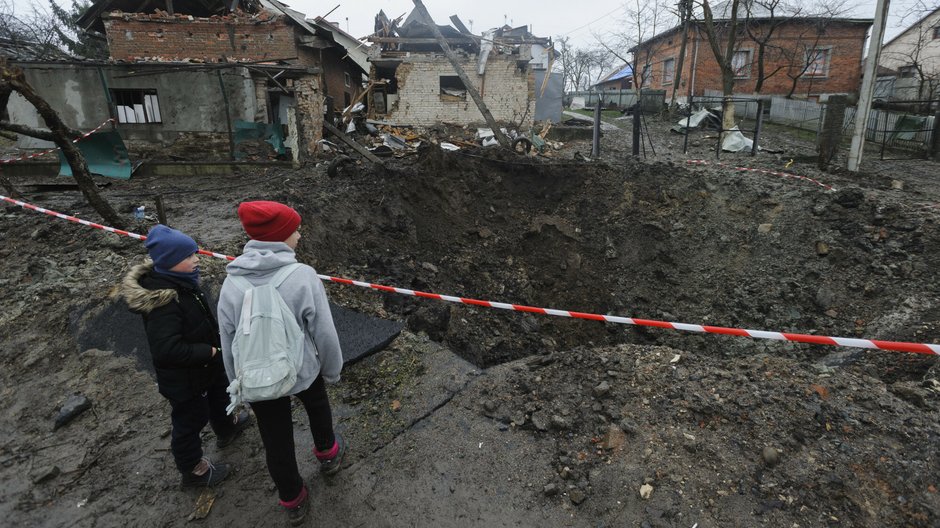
(140, 299)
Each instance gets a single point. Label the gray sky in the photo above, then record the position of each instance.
(578, 20)
(548, 18)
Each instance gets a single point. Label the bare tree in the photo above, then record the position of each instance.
(12, 79)
(722, 37)
(580, 67)
(631, 45)
(31, 29)
(762, 19)
(802, 57)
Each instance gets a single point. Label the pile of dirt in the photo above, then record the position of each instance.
(720, 429)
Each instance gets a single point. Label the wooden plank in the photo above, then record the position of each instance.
(352, 143)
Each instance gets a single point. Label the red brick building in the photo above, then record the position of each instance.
(804, 57)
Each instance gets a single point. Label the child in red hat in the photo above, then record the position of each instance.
(274, 231)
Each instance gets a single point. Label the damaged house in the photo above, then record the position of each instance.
(413, 83)
(203, 79)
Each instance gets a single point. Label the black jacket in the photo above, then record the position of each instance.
(181, 331)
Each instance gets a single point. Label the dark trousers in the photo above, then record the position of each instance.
(277, 433)
(190, 417)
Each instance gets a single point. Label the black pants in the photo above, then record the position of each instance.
(190, 417)
(277, 433)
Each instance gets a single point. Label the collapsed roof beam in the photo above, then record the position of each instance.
(471, 89)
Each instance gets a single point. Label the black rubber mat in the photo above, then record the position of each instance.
(115, 328)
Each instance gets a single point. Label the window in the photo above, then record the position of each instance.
(452, 88)
(347, 79)
(741, 64)
(907, 72)
(817, 62)
(669, 71)
(647, 73)
(136, 106)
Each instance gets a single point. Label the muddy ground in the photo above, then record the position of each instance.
(478, 417)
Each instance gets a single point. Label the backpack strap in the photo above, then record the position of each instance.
(241, 283)
(283, 273)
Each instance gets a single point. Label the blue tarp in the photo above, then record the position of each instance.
(105, 154)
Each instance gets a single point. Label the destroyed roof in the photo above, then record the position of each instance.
(91, 19)
(623, 73)
(357, 51)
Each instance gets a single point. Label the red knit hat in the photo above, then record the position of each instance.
(268, 221)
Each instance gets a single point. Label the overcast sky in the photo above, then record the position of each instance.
(549, 18)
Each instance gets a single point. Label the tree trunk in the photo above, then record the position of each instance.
(680, 62)
(62, 138)
(761, 50)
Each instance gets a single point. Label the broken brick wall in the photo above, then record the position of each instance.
(309, 101)
(164, 38)
(507, 91)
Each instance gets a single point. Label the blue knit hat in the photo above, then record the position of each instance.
(168, 247)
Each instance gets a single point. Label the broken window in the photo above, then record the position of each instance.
(453, 87)
(136, 106)
(741, 64)
(817, 62)
(907, 72)
(669, 71)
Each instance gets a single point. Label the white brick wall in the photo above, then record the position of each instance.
(507, 91)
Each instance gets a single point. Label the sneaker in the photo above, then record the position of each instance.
(330, 461)
(297, 508)
(214, 474)
(242, 421)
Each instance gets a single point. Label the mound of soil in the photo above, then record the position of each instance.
(603, 423)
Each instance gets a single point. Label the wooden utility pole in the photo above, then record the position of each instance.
(452, 57)
(868, 85)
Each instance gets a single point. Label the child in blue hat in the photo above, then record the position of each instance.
(183, 336)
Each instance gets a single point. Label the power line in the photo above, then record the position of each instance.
(605, 15)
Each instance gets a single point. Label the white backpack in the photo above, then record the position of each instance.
(268, 348)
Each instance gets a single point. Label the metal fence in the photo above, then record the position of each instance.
(609, 98)
(887, 128)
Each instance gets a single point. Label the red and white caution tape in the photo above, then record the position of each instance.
(38, 154)
(764, 171)
(895, 346)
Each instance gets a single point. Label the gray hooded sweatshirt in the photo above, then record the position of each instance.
(304, 294)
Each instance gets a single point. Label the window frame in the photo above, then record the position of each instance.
(450, 84)
(828, 56)
(347, 79)
(744, 72)
(124, 103)
(907, 72)
(672, 77)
